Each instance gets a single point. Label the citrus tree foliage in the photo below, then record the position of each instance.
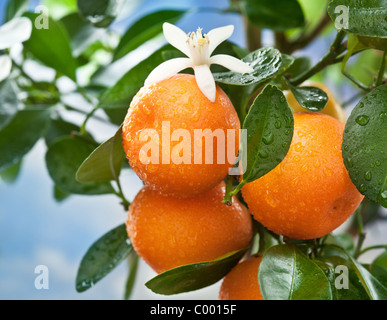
(80, 47)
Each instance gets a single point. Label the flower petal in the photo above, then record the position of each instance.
(219, 35)
(231, 63)
(168, 69)
(5, 67)
(205, 81)
(176, 37)
(15, 31)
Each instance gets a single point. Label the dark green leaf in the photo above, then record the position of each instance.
(82, 34)
(52, 46)
(365, 147)
(116, 100)
(378, 268)
(145, 29)
(60, 195)
(285, 273)
(311, 98)
(63, 159)
(11, 174)
(194, 276)
(372, 287)
(15, 8)
(104, 163)
(100, 13)
(266, 63)
(355, 290)
(21, 134)
(60, 8)
(102, 257)
(279, 15)
(269, 126)
(299, 66)
(363, 17)
(9, 102)
(58, 129)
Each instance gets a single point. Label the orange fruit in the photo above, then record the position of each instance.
(333, 108)
(310, 193)
(189, 165)
(241, 283)
(168, 232)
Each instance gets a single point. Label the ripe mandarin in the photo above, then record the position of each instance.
(185, 164)
(241, 283)
(168, 232)
(310, 193)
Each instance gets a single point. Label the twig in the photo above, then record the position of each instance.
(306, 38)
(336, 49)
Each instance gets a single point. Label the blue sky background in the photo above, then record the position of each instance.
(36, 230)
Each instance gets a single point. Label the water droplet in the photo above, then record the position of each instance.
(346, 148)
(278, 124)
(349, 162)
(263, 154)
(268, 139)
(327, 172)
(362, 120)
(282, 99)
(368, 176)
(378, 163)
(296, 158)
(383, 114)
(362, 188)
(361, 105)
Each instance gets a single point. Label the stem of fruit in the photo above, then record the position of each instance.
(228, 196)
(336, 49)
(121, 195)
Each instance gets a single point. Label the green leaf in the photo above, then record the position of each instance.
(145, 29)
(21, 134)
(269, 126)
(82, 34)
(279, 15)
(372, 287)
(60, 195)
(63, 159)
(357, 43)
(115, 101)
(364, 148)
(355, 290)
(11, 174)
(15, 8)
(100, 13)
(365, 17)
(311, 98)
(58, 129)
(52, 46)
(194, 276)
(9, 102)
(378, 268)
(266, 63)
(104, 163)
(102, 257)
(285, 273)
